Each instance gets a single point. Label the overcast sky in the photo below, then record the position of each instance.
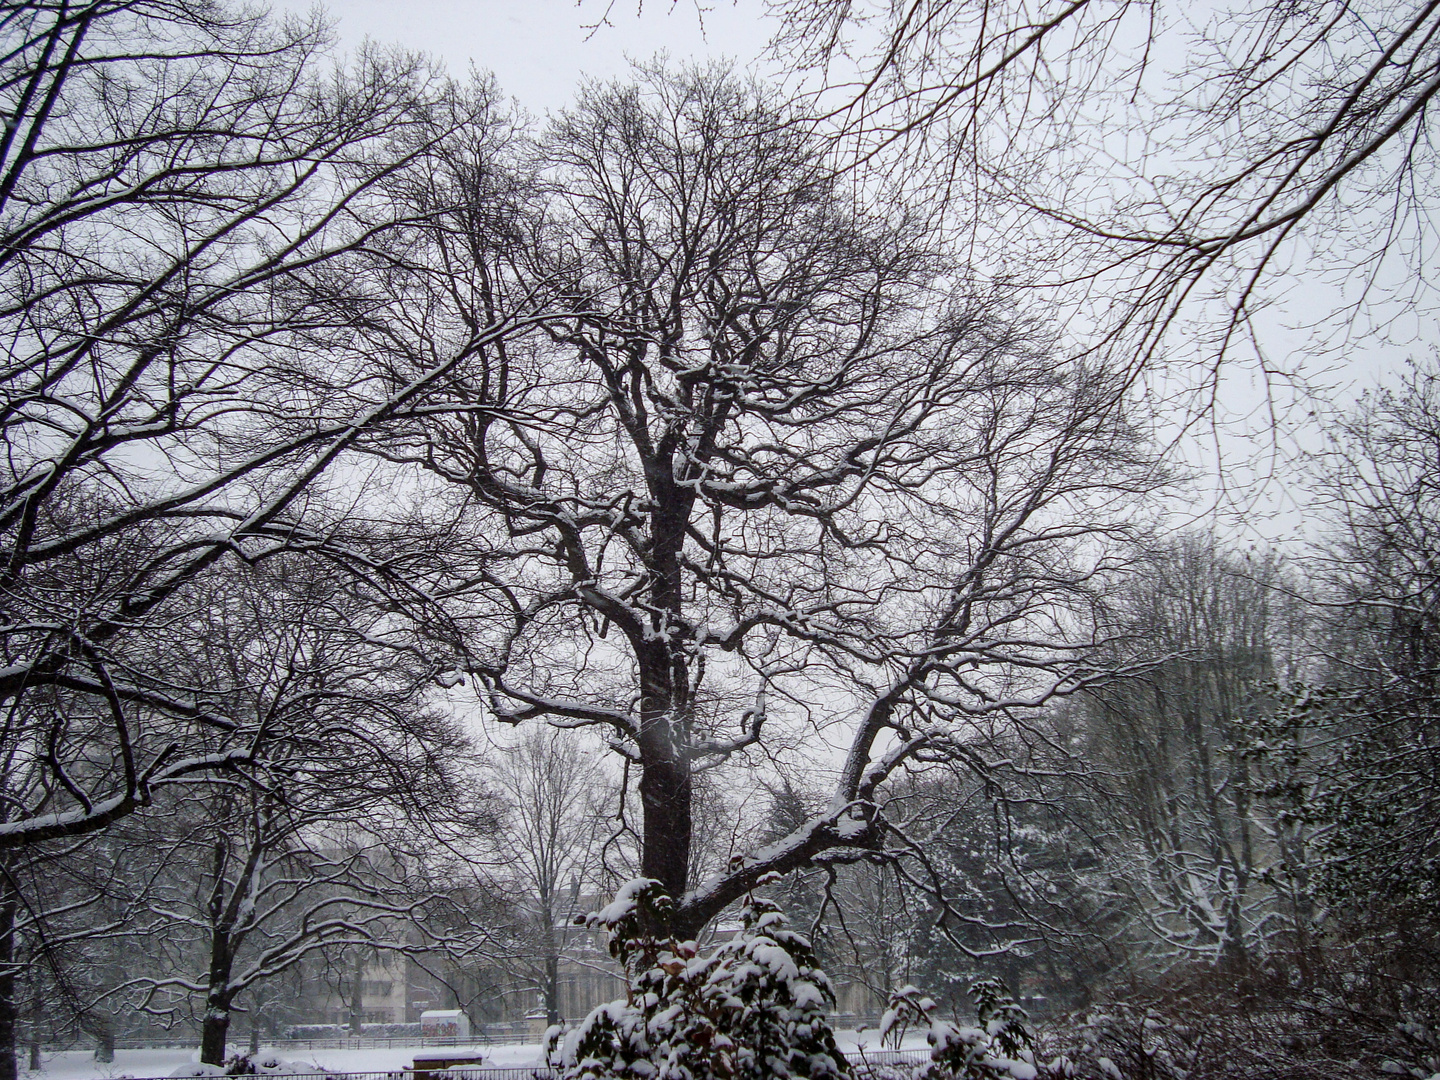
(539, 49)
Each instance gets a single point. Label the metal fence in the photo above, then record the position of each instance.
(491, 1035)
(334, 1042)
(389, 1042)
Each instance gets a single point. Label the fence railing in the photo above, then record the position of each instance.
(332, 1042)
(491, 1035)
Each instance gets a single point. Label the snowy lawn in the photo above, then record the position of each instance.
(81, 1064)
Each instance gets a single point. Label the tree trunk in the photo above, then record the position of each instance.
(9, 1065)
(550, 954)
(33, 1026)
(215, 1028)
(213, 1032)
(665, 782)
(357, 998)
(665, 796)
(105, 1038)
(552, 990)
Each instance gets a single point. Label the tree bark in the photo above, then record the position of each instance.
(665, 796)
(215, 1028)
(552, 989)
(9, 1066)
(33, 1026)
(357, 998)
(105, 1037)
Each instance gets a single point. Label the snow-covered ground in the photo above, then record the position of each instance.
(81, 1064)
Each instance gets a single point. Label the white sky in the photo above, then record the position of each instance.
(540, 49)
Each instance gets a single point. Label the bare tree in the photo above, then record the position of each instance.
(266, 889)
(67, 914)
(197, 217)
(549, 846)
(322, 853)
(229, 884)
(779, 477)
(1156, 154)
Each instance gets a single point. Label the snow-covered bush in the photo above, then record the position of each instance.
(391, 1031)
(342, 1031)
(267, 1063)
(1121, 1042)
(1220, 1028)
(316, 1031)
(997, 1049)
(1418, 1054)
(752, 1008)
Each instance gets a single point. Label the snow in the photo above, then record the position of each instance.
(81, 1064)
(624, 902)
(754, 1006)
(779, 962)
